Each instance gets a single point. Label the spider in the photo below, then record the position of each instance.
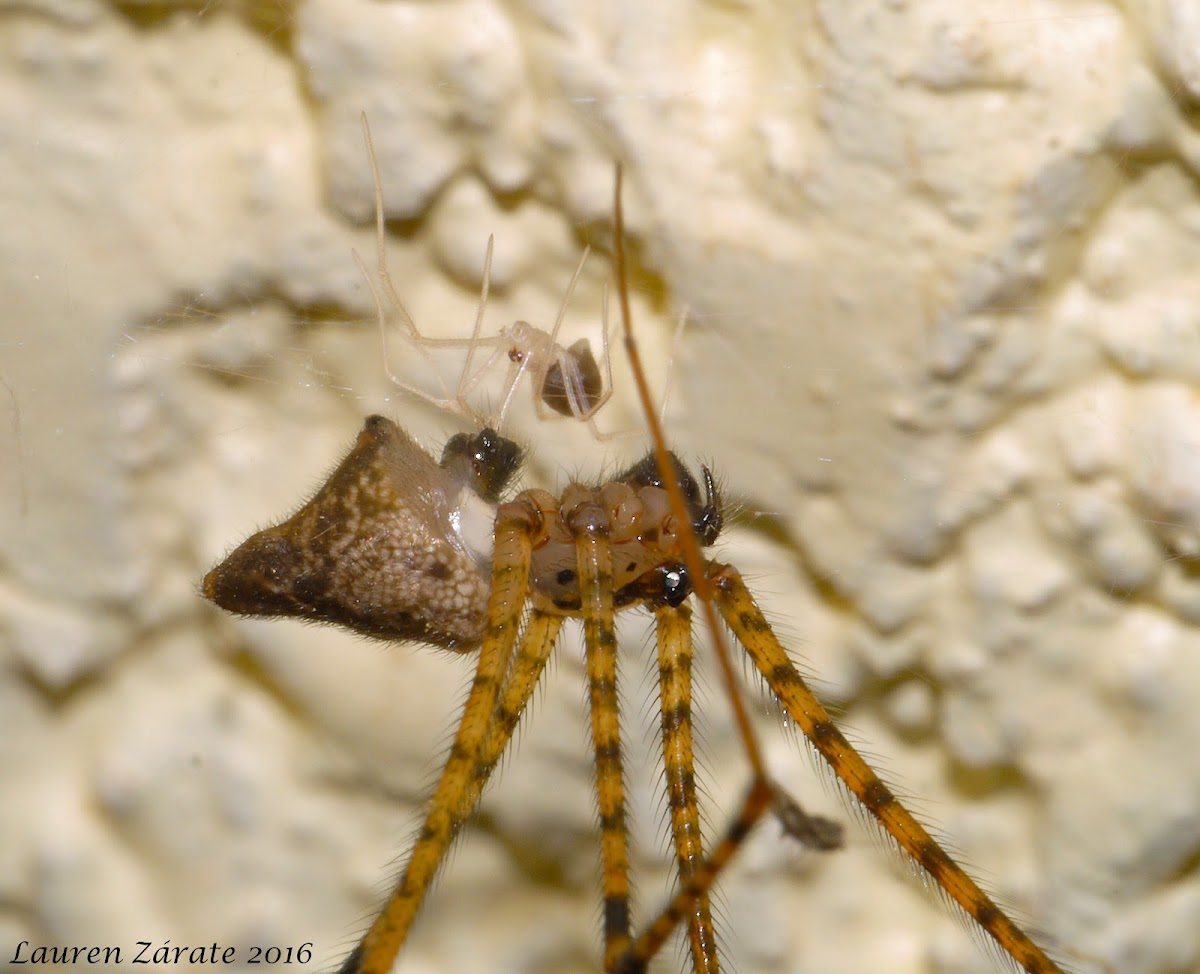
(565, 381)
(397, 545)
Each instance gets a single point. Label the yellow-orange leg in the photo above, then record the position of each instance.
(746, 620)
(648, 943)
(537, 642)
(674, 629)
(744, 617)
(510, 582)
(594, 557)
(763, 795)
(760, 795)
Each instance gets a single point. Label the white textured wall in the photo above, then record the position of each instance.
(942, 260)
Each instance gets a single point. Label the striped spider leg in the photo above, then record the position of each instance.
(564, 381)
(395, 546)
(399, 546)
(720, 590)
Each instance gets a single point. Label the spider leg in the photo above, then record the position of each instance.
(385, 280)
(537, 642)
(460, 784)
(819, 834)
(759, 799)
(698, 876)
(676, 344)
(484, 288)
(723, 586)
(608, 381)
(674, 635)
(761, 793)
(594, 558)
(543, 367)
(745, 619)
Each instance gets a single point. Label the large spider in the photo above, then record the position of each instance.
(398, 546)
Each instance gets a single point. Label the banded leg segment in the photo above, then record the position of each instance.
(650, 941)
(594, 558)
(674, 635)
(537, 642)
(744, 617)
(458, 786)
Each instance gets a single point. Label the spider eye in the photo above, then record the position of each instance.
(677, 585)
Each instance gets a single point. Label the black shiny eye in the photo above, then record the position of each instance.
(677, 585)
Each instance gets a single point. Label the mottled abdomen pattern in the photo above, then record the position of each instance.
(375, 550)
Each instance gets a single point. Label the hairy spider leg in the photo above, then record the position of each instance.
(725, 588)
(686, 900)
(537, 643)
(594, 558)
(673, 627)
(510, 582)
(751, 629)
(584, 515)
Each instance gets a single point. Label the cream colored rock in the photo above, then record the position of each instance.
(940, 260)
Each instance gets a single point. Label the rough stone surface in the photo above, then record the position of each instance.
(940, 266)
